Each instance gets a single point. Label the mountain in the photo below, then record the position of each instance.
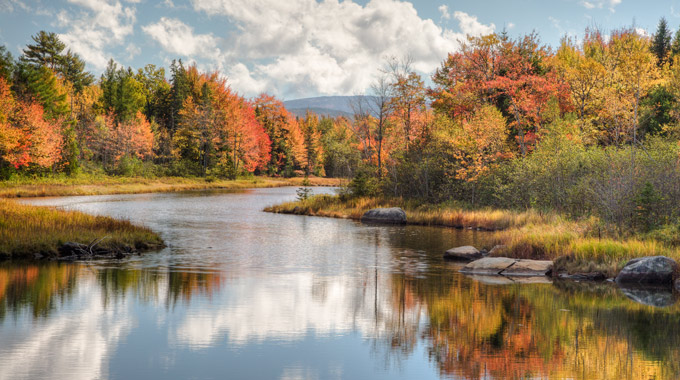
(323, 105)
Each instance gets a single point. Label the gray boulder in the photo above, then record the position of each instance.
(465, 253)
(393, 215)
(529, 268)
(648, 270)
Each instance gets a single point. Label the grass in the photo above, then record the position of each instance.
(103, 185)
(435, 215)
(576, 246)
(27, 230)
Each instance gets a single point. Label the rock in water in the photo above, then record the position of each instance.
(393, 215)
(648, 270)
(529, 268)
(71, 248)
(465, 253)
(488, 265)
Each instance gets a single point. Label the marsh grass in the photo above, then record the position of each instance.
(576, 246)
(27, 230)
(103, 185)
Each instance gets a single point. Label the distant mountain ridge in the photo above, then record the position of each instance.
(332, 106)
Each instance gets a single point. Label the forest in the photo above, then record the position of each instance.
(589, 128)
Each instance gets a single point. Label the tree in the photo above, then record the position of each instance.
(122, 94)
(661, 42)
(287, 140)
(408, 99)
(72, 68)
(477, 142)
(313, 150)
(45, 52)
(6, 64)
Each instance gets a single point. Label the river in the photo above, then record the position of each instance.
(243, 294)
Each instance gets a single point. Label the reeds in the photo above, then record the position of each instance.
(29, 230)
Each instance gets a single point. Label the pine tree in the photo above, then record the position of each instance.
(661, 43)
(6, 64)
(45, 52)
(72, 68)
(675, 46)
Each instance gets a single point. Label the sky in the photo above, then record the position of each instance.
(304, 48)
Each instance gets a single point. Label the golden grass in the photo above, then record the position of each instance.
(354, 208)
(27, 230)
(104, 185)
(573, 244)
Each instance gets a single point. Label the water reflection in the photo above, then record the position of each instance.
(317, 298)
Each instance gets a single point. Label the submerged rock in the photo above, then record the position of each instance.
(648, 270)
(393, 215)
(465, 253)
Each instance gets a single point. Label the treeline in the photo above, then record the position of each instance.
(589, 128)
(55, 117)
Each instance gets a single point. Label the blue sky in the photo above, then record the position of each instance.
(300, 48)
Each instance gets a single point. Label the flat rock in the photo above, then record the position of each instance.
(488, 265)
(465, 253)
(648, 270)
(529, 268)
(393, 215)
(492, 280)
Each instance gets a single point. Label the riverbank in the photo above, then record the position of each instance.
(106, 185)
(575, 246)
(29, 232)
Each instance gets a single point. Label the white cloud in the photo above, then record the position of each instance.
(177, 37)
(98, 27)
(600, 4)
(510, 25)
(444, 10)
(10, 6)
(301, 47)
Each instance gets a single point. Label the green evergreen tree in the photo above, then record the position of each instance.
(72, 68)
(45, 52)
(6, 64)
(661, 43)
(675, 46)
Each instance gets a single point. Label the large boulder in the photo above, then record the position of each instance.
(465, 253)
(393, 215)
(488, 265)
(648, 270)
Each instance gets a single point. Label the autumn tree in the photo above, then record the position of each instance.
(287, 140)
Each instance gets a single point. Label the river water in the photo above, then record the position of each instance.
(243, 294)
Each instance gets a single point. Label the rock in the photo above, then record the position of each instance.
(393, 215)
(509, 267)
(497, 249)
(465, 253)
(492, 280)
(648, 270)
(652, 296)
(529, 268)
(488, 265)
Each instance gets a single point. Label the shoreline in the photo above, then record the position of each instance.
(577, 247)
(61, 187)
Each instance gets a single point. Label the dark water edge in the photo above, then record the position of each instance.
(239, 293)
